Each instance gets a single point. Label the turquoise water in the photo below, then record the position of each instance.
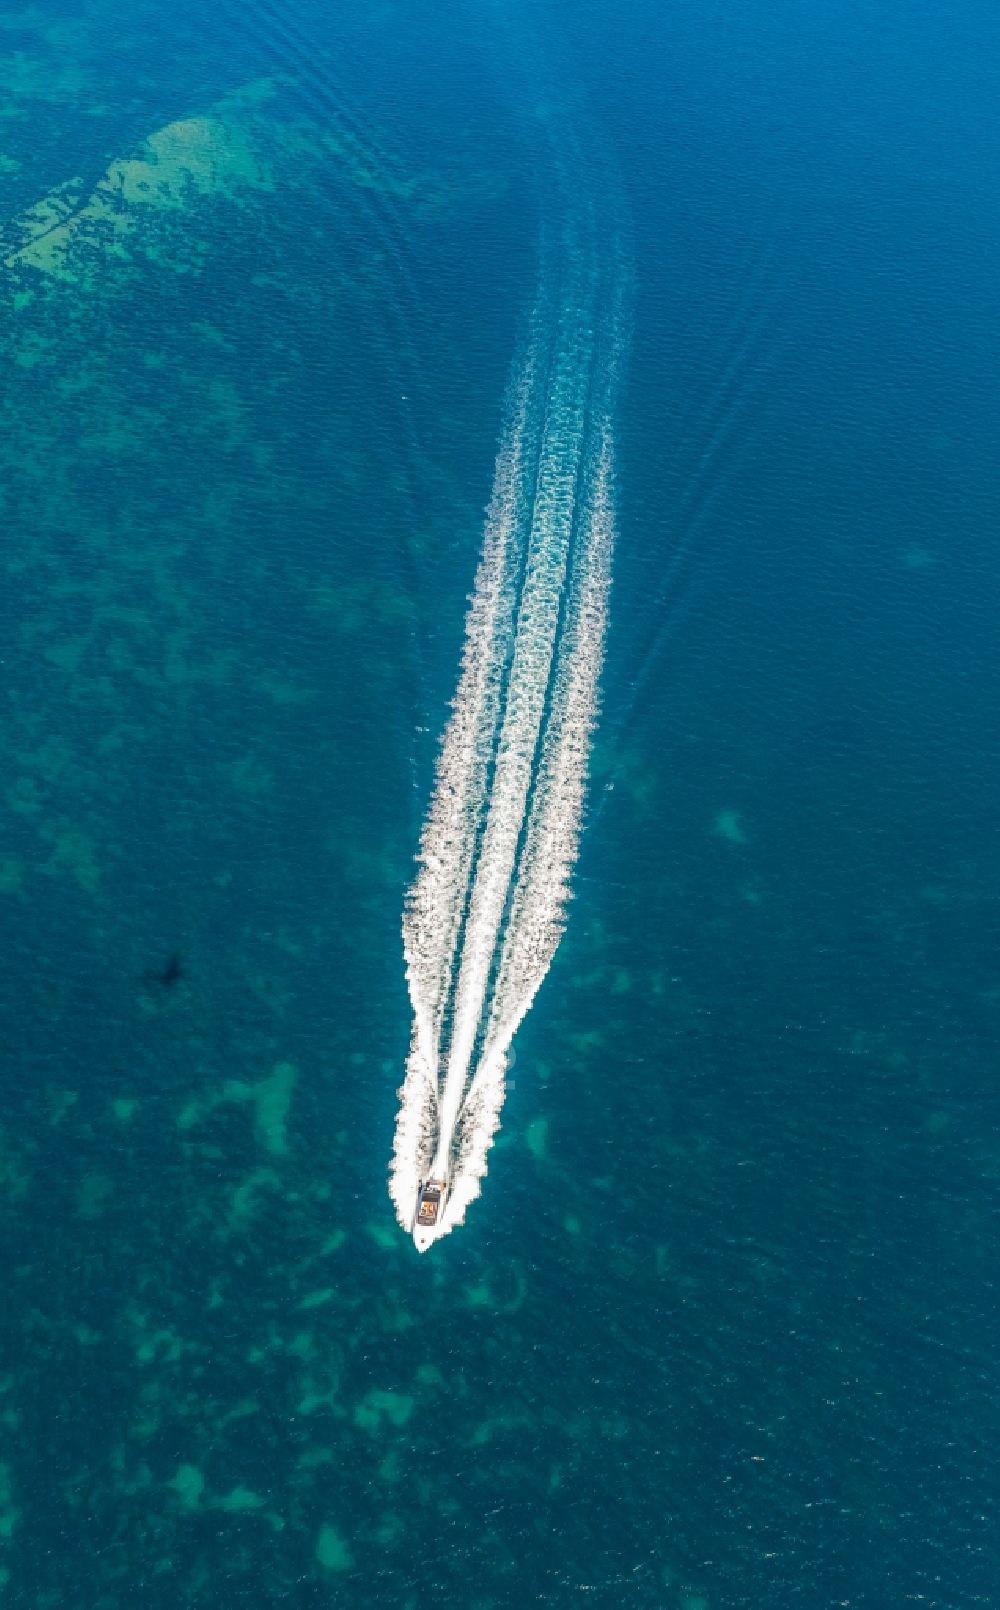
(720, 1331)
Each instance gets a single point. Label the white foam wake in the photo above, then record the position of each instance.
(486, 911)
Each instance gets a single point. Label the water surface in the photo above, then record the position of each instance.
(720, 1331)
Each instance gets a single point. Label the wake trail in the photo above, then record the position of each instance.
(486, 910)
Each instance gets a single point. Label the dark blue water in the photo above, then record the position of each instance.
(721, 1331)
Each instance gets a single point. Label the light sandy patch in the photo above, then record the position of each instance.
(332, 1552)
(729, 825)
(71, 233)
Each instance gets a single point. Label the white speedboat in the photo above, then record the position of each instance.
(429, 1211)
